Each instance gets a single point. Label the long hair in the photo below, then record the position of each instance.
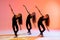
(33, 17)
(20, 18)
(47, 21)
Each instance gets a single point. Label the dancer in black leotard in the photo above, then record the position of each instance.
(28, 23)
(40, 22)
(14, 22)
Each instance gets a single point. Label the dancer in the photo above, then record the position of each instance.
(28, 23)
(14, 22)
(40, 23)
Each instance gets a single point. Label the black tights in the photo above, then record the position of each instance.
(41, 25)
(28, 27)
(15, 29)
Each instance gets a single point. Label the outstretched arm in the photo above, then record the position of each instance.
(11, 9)
(38, 10)
(26, 9)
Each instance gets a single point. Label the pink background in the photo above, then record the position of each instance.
(52, 7)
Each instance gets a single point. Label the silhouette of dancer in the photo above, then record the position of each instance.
(14, 25)
(20, 20)
(14, 22)
(28, 23)
(40, 22)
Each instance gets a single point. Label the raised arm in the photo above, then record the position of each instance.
(38, 10)
(11, 9)
(26, 9)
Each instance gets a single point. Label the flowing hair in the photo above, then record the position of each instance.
(20, 18)
(34, 17)
(47, 21)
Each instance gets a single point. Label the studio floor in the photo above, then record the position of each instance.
(22, 35)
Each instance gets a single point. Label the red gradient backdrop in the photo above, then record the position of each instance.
(51, 7)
